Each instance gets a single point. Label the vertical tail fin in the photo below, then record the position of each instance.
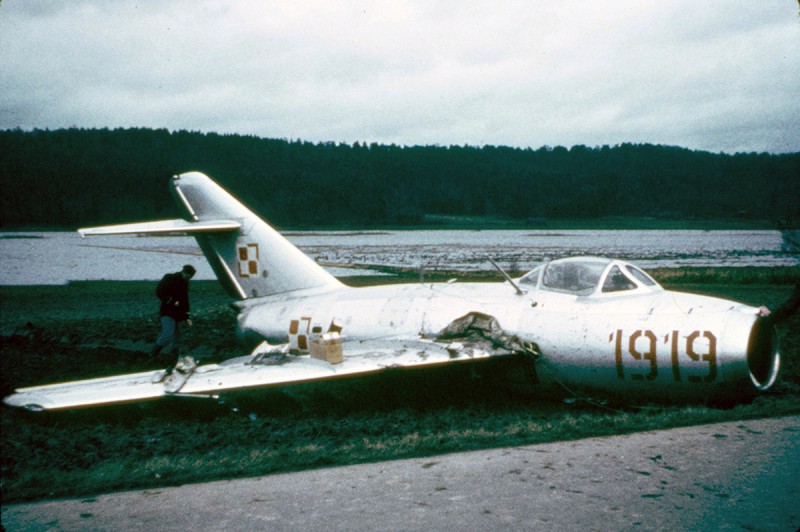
(248, 256)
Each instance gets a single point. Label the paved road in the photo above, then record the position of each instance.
(739, 476)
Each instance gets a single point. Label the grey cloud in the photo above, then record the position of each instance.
(719, 75)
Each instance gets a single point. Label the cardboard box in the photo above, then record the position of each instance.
(327, 347)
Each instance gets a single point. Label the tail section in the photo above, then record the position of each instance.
(248, 256)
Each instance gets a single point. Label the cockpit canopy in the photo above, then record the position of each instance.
(585, 276)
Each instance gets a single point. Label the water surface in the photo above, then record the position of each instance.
(56, 257)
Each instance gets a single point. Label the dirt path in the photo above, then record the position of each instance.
(740, 475)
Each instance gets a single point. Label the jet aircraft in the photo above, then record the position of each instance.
(593, 324)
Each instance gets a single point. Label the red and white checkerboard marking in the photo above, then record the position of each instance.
(248, 260)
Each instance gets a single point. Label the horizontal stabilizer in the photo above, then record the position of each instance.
(163, 227)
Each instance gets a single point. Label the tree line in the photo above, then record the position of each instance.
(75, 177)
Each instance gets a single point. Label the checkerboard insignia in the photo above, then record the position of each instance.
(248, 260)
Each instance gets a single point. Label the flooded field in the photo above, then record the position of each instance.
(55, 258)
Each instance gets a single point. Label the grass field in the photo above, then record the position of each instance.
(103, 328)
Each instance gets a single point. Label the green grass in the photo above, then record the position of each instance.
(103, 328)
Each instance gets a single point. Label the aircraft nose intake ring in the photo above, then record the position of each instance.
(763, 356)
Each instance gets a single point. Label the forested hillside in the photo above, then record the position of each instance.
(68, 178)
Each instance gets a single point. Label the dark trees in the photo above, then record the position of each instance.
(68, 178)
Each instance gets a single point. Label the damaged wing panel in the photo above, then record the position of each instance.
(483, 332)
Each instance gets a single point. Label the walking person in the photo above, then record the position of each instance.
(173, 292)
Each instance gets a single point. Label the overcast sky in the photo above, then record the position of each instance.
(718, 75)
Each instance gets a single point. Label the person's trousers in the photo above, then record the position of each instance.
(170, 333)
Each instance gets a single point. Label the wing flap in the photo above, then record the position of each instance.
(359, 358)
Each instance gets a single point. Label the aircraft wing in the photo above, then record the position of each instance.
(255, 371)
(91, 392)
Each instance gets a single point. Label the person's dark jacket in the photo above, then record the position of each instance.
(173, 292)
